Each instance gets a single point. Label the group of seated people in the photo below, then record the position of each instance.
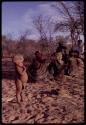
(60, 64)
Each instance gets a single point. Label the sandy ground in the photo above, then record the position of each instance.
(44, 102)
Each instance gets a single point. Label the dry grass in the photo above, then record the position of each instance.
(41, 103)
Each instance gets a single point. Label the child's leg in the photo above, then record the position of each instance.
(18, 90)
(23, 92)
(23, 85)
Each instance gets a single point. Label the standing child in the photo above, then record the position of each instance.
(21, 76)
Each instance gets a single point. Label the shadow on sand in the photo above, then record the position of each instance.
(52, 92)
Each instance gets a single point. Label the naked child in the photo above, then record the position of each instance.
(21, 76)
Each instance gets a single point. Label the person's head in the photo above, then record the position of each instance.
(59, 49)
(18, 60)
(37, 53)
(19, 63)
(60, 44)
(79, 42)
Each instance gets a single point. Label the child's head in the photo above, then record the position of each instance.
(18, 60)
(19, 63)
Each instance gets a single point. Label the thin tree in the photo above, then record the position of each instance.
(71, 21)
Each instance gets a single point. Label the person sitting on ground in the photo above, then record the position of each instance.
(57, 63)
(66, 62)
(70, 66)
(72, 63)
(36, 64)
(60, 62)
(21, 76)
(78, 58)
(59, 56)
(79, 47)
(52, 67)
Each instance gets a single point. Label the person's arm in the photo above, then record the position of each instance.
(24, 68)
(20, 70)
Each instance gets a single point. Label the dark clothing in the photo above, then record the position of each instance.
(61, 48)
(67, 64)
(65, 58)
(52, 68)
(32, 72)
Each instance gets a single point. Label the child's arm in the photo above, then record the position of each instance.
(20, 70)
(24, 68)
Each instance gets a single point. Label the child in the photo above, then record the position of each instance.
(21, 76)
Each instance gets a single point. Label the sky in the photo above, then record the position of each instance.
(17, 17)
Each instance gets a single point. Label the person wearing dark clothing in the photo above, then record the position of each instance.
(57, 65)
(70, 66)
(66, 63)
(52, 68)
(61, 47)
(79, 47)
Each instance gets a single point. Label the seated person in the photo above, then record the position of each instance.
(52, 68)
(36, 64)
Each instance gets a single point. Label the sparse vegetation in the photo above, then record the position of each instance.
(47, 100)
